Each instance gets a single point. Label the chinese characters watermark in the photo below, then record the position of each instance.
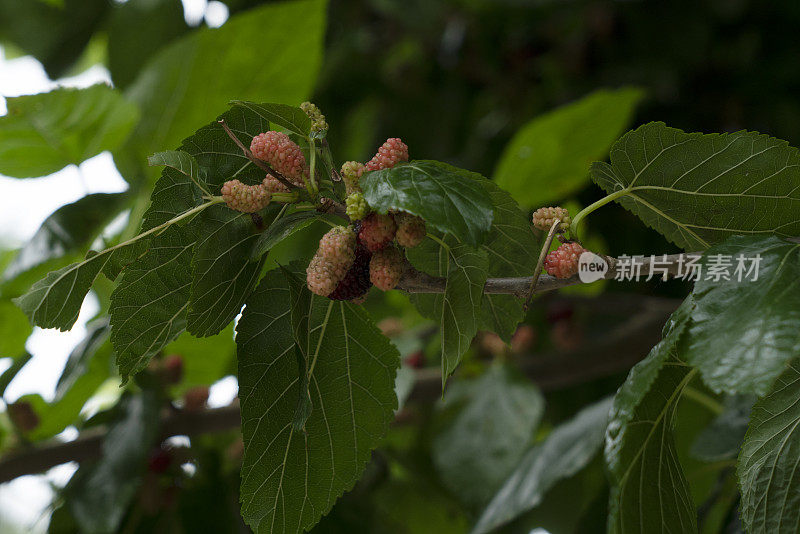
(716, 268)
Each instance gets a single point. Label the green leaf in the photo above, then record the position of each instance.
(86, 369)
(566, 450)
(512, 251)
(44, 133)
(768, 466)
(495, 418)
(14, 330)
(290, 118)
(744, 333)
(149, 306)
(17, 363)
(222, 272)
(137, 30)
(55, 301)
(69, 230)
(699, 189)
(448, 198)
(300, 306)
(284, 228)
(99, 494)
(548, 158)
(289, 478)
(722, 438)
(182, 162)
(56, 36)
(199, 73)
(649, 491)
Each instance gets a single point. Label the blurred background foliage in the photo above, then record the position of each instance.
(459, 81)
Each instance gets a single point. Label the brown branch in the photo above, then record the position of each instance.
(263, 165)
(414, 281)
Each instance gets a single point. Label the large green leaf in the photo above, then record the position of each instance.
(769, 473)
(291, 478)
(69, 230)
(290, 118)
(722, 438)
(99, 493)
(223, 272)
(649, 491)
(137, 30)
(448, 198)
(55, 34)
(199, 73)
(46, 132)
(699, 189)
(511, 250)
(55, 300)
(149, 306)
(493, 424)
(549, 157)
(458, 309)
(14, 330)
(745, 332)
(566, 450)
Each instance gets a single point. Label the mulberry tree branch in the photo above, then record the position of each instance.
(414, 281)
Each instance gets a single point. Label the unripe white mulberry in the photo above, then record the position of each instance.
(245, 198)
(563, 261)
(543, 218)
(283, 155)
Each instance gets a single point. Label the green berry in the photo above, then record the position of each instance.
(357, 207)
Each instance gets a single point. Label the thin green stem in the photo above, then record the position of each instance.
(312, 182)
(163, 226)
(441, 243)
(701, 398)
(591, 207)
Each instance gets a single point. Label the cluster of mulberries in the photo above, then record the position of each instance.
(283, 155)
(563, 262)
(245, 198)
(373, 258)
(392, 152)
(543, 218)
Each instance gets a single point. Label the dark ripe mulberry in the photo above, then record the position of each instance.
(356, 282)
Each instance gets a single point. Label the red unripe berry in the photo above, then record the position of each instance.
(389, 154)
(377, 231)
(415, 359)
(563, 262)
(283, 155)
(386, 268)
(410, 230)
(245, 198)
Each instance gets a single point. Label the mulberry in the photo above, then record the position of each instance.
(351, 174)
(563, 262)
(410, 230)
(318, 123)
(356, 282)
(385, 268)
(543, 218)
(357, 207)
(274, 185)
(377, 231)
(332, 261)
(389, 154)
(245, 198)
(283, 154)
